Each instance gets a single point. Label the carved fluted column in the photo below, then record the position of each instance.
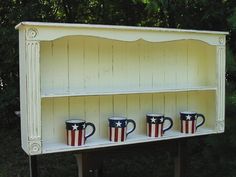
(220, 52)
(33, 94)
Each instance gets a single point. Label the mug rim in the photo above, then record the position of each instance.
(155, 115)
(75, 121)
(188, 112)
(117, 118)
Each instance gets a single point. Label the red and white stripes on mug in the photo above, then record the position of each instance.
(188, 126)
(154, 130)
(76, 137)
(75, 131)
(189, 121)
(155, 124)
(118, 128)
(117, 134)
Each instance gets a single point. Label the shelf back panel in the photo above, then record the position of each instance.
(97, 109)
(82, 64)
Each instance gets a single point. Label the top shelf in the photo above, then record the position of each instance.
(95, 26)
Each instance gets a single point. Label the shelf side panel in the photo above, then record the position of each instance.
(23, 91)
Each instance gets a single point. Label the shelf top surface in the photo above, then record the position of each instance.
(115, 27)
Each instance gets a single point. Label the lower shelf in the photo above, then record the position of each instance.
(49, 147)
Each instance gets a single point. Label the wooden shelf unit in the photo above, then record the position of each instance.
(93, 72)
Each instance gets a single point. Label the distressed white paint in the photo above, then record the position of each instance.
(93, 72)
(46, 32)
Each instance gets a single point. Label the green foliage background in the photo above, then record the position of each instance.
(207, 156)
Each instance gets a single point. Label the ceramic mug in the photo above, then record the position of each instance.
(189, 121)
(118, 128)
(76, 131)
(156, 123)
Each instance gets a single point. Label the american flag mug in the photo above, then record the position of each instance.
(189, 121)
(155, 124)
(118, 128)
(75, 131)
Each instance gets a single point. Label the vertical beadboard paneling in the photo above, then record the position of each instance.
(202, 106)
(92, 108)
(133, 65)
(60, 66)
(202, 60)
(181, 105)
(170, 108)
(181, 64)
(91, 64)
(170, 65)
(146, 101)
(211, 66)
(146, 66)
(157, 55)
(61, 114)
(48, 120)
(192, 65)
(211, 110)
(46, 68)
(119, 66)
(105, 65)
(197, 64)
(106, 111)
(76, 107)
(133, 112)
(192, 101)
(158, 103)
(76, 64)
(120, 105)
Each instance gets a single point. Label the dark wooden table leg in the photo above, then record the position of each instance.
(33, 166)
(180, 159)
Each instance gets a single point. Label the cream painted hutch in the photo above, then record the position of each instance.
(93, 72)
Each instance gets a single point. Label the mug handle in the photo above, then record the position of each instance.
(171, 123)
(134, 126)
(93, 127)
(203, 120)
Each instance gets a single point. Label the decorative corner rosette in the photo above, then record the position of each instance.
(34, 148)
(32, 33)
